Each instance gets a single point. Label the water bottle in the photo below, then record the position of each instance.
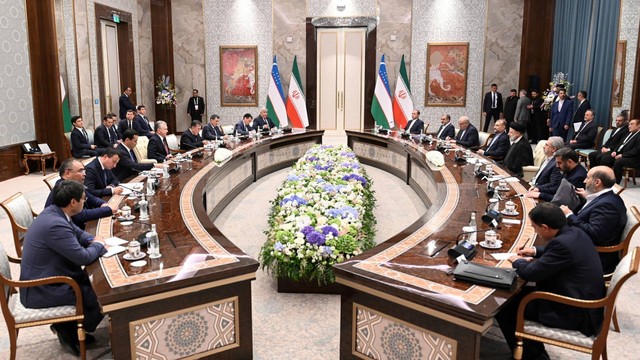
(150, 189)
(165, 171)
(153, 243)
(473, 237)
(144, 208)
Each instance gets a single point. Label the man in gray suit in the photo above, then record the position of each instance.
(523, 114)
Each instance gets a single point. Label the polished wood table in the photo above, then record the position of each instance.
(42, 158)
(400, 297)
(195, 300)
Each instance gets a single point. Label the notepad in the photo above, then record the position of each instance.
(113, 250)
(114, 241)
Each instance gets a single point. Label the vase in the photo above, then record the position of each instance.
(287, 285)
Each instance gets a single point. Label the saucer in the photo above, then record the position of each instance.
(139, 263)
(130, 257)
(129, 218)
(497, 246)
(126, 223)
(506, 188)
(515, 213)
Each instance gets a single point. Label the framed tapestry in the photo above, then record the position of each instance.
(618, 74)
(239, 75)
(447, 74)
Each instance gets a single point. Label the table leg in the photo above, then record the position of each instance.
(55, 161)
(43, 164)
(26, 166)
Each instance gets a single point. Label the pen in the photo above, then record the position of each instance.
(525, 244)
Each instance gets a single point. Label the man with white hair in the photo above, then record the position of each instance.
(468, 134)
(262, 121)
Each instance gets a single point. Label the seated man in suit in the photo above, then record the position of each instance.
(568, 265)
(415, 125)
(243, 127)
(628, 153)
(546, 181)
(127, 123)
(520, 153)
(80, 145)
(191, 138)
(263, 122)
(585, 137)
(94, 207)
(99, 179)
(604, 215)
(446, 130)
(213, 130)
(158, 148)
(603, 156)
(500, 144)
(568, 162)
(106, 135)
(468, 134)
(141, 122)
(129, 165)
(53, 246)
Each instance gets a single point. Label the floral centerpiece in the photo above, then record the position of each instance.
(166, 92)
(322, 215)
(559, 78)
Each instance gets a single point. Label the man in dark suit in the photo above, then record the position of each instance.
(468, 134)
(546, 181)
(242, 127)
(582, 105)
(129, 165)
(560, 116)
(585, 137)
(141, 122)
(106, 135)
(446, 130)
(80, 145)
(195, 108)
(520, 153)
(567, 265)
(628, 153)
(54, 246)
(99, 179)
(94, 207)
(415, 125)
(263, 122)
(604, 215)
(213, 130)
(500, 144)
(538, 124)
(510, 104)
(492, 106)
(127, 123)
(568, 162)
(158, 148)
(191, 138)
(125, 102)
(603, 157)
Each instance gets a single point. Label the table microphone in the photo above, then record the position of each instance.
(464, 247)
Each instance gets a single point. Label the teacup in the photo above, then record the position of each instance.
(131, 201)
(510, 207)
(492, 239)
(126, 212)
(467, 153)
(134, 248)
(502, 184)
(489, 169)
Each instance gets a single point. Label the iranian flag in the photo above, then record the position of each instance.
(66, 113)
(275, 98)
(402, 102)
(381, 106)
(296, 103)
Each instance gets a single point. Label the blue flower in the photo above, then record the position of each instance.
(315, 238)
(356, 177)
(294, 200)
(328, 229)
(343, 212)
(312, 158)
(326, 251)
(323, 167)
(293, 177)
(329, 188)
(306, 230)
(278, 246)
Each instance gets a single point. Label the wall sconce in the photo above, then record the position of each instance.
(341, 5)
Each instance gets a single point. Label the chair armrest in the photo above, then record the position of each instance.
(610, 249)
(179, 151)
(586, 304)
(15, 260)
(51, 280)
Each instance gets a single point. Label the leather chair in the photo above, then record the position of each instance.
(18, 317)
(21, 216)
(571, 339)
(51, 180)
(141, 150)
(484, 138)
(172, 142)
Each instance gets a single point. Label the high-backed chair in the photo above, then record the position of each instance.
(484, 137)
(21, 216)
(141, 150)
(583, 154)
(172, 143)
(51, 180)
(17, 317)
(228, 129)
(571, 339)
(629, 173)
(538, 158)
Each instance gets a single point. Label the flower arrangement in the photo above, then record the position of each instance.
(559, 78)
(322, 215)
(436, 158)
(221, 155)
(166, 95)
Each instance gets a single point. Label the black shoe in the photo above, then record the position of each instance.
(66, 340)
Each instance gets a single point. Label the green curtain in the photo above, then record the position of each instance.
(584, 45)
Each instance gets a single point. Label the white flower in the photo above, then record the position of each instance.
(435, 157)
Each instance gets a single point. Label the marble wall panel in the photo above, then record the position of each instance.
(448, 21)
(188, 57)
(16, 106)
(395, 21)
(146, 90)
(289, 20)
(85, 87)
(69, 34)
(328, 8)
(229, 22)
(60, 40)
(629, 24)
(503, 40)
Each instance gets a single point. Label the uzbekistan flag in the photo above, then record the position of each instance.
(296, 103)
(381, 106)
(275, 98)
(402, 102)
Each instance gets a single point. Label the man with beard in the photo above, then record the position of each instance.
(537, 129)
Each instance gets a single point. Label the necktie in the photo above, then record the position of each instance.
(266, 122)
(130, 126)
(542, 166)
(109, 135)
(133, 156)
(626, 141)
(441, 128)
(166, 146)
(493, 95)
(104, 175)
(85, 134)
(461, 135)
(495, 138)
